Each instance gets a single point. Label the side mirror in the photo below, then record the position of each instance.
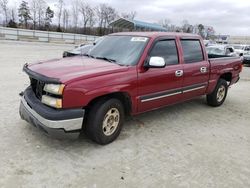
(155, 62)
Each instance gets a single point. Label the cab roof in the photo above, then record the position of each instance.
(157, 34)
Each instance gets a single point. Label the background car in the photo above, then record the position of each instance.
(221, 50)
(246, 59)
(241, 50)
(82, 48)
(209, 42)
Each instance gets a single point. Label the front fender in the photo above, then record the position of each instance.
(75, 98)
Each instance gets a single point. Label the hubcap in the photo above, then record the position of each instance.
(221, 93)
(111, 121)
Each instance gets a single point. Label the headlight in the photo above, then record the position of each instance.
(56, 89)
(51, 101)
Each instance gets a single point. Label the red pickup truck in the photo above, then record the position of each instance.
(125, 74)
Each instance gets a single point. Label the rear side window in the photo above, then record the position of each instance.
(247, 48)
(192, 51)
(230, 50)
(167, 50)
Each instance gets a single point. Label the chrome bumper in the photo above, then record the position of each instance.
(65, 128)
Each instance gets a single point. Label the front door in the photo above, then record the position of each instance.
(161, 86)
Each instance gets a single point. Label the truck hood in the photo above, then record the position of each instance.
(79, 67)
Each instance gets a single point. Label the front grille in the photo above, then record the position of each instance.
(37, 87)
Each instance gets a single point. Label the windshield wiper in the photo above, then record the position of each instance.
(104, 58)
(88, 55)
(107, 59)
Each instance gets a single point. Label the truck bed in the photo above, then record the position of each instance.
(213, 56)
(230, 66)
(227, 61)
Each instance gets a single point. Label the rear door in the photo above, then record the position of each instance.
(161, 86)
(196, 68)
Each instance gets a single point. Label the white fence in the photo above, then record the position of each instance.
(43, 36)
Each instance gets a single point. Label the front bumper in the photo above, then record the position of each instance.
(64, 123)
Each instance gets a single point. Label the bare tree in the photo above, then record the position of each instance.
(131, 15)
(83, 10)
(165, 23)
(41, 11)
(75, 13)
(185, 26)
(100, 14)
(105, 14)
(65, 19)
(38, 9)
(33, 10)
(91, 14)
(173, 28)
(4, 6)
(13, 14)
(59, 6)
(87, 14)
(109, 15)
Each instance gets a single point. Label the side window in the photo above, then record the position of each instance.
(231, 50)
(192, 50)
(167, 50)
(228, 51)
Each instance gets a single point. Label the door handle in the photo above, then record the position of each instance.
(179, 73)
(203, 69)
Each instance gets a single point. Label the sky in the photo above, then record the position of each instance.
(226, 16)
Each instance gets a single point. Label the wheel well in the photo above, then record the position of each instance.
(122, 96)
(227, 76)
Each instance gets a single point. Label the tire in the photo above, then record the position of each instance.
(105, 120)
(218, 96)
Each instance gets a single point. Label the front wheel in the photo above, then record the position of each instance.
(219, 94)
(104, 121)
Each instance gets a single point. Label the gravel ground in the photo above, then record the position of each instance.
(185, 145)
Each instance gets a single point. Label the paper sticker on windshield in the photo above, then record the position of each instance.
(139, 39)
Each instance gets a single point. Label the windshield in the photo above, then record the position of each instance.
(238, 47)
(123, 50)
(215, 51)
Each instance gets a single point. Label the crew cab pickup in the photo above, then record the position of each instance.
(125, 74)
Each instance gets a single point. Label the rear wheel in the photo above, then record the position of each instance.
(104, 121)
(218, 96)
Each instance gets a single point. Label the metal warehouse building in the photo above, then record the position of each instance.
(135, 25)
